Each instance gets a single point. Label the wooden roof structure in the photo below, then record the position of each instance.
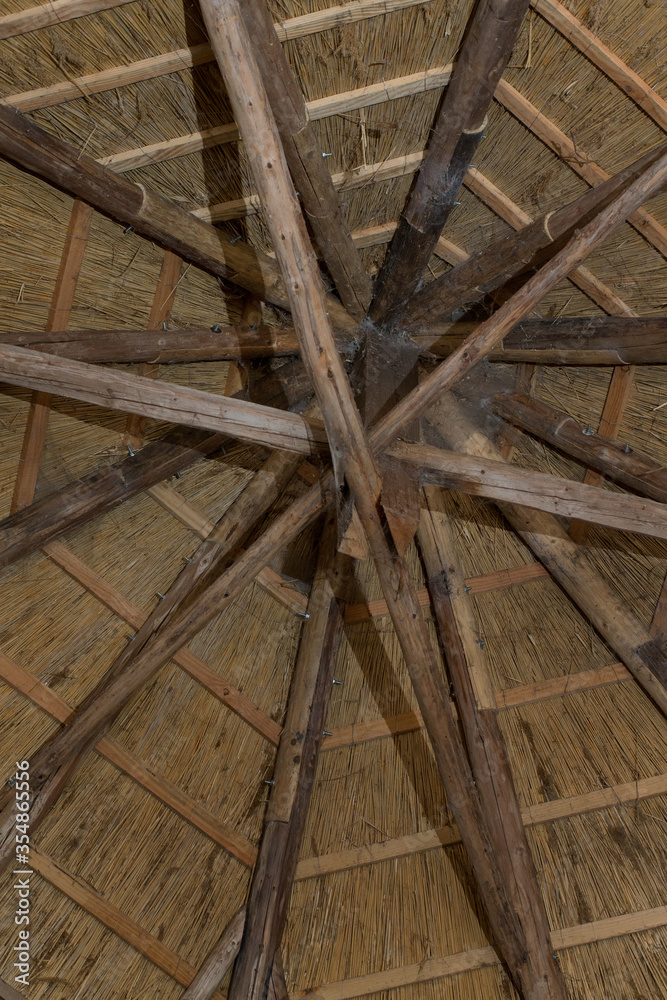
(332, 356)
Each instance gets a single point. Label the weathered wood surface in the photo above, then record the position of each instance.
(161, 400)
(59, 312)
(517, 253)
(489, 334)
(306, 162)
(219, 960)
(32, 148)
(47, 519)
(485, 52)
(613, 458)
(568, 565)
(294, 774)
(486, 748)
(565, 497)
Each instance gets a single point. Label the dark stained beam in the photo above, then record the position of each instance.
(32, 148)
(614, 459)
(568, 564)
(306, 162)
(219, 961)
(484, 742)
(540, 490)
(481, 61)
(522, 251)
(294, 773)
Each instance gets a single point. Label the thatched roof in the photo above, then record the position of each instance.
(148, 852)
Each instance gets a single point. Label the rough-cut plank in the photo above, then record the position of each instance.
(602, 56)
(219, 960)
(32, 148)
(125, 927)
(161, 400)
(556, 687)
(568, 564)
(513, 255)
(484, 54)
(163, 302)
(574, 156)
(58, 317)
(184, 511)
(468, 673)
(55, 12)
(293, 777)
(614, 459)
(306, 162)
(428, 840)
(479, 958)
(507, 483)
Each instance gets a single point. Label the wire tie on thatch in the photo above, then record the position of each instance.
(588, 431)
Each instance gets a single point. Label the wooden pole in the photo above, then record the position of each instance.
(542, 491)
(58, 318)
(294, 773)
(306, 162)
(485, 52)
(484, 742)
(519, 252)
(567, 563)
(614, 459)
(162, 400)
(32, 148)
(219, 961)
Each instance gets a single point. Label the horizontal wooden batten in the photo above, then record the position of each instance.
(480, 958)
(428, 840)
(161, 400)
(45, 15)
(161, 787)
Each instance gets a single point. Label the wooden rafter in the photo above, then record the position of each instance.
(59, 312)
(486, 50)
(567, 564)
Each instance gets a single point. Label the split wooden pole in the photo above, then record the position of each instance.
(484, 743)
(486, 50)
(58, 318)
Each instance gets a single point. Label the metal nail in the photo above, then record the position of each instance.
(327, 154)
(216, 328)
(269, 781)
(334, 681)
(325, 732)
(467, 589)
(480, 643)
(588, 431)
(627, 449)
(132, 453)
(234, 240)
(303, 614)
(161, 596)
(128, 230)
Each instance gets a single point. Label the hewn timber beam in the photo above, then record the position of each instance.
(567, 340)
(542, 491)
(32, 148)
(59, 313)
(162, 400)
(644, 656)
(485, 52)
(294, 774)
(614, 459)
(353, 464)
(306, 162)
(475, 701)
(519, 252)
(219, 960)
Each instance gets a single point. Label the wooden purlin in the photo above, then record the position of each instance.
(58, 318)
(163, 303)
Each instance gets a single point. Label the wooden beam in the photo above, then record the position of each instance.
(569, 567)
(614, 459)
(475, 701)
(659, 623)
(101, 491)
(32, 148)
(44, 15)
(632, 85)
(305, 159)
(162, 400)
(484, 54)
(544, 812)
(163, 302)
(59, 313)
(480, 958)
(219, 960)
(510, 256)
(489, 334)
(294, 773)
(542, 491)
